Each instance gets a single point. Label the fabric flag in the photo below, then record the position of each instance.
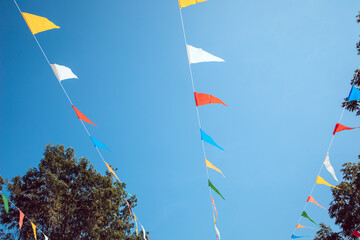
(46, 238)
(38, 24)
(144, 234)
(339, 127)
(34, 229)
(217, 231)
(81, 116)
(203, 99)
(127, 203)
(185, 3)
(354, 94)
(355, 233)
(112, 171)
(210, 165)
(294, 236)
(311, 199)
(208, 139)
(212, 200)
(21, 219)
(329, 167)
(304, 214)
(98, 144)
(6, 203)
(320, 180)
(300, 226)
(214, 218)
(62, 72)
(197, 55)
(136, 225)
(215, 189)
(118, 186)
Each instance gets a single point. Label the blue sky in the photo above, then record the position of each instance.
(288, 67)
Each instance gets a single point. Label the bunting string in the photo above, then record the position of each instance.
(38, 24)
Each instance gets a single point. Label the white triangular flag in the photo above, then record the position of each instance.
(329, 167)
(143, 232)
(46, 238)
(217, 231)
(62, 72)
(197, 55)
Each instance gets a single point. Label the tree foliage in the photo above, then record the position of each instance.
(67, 199)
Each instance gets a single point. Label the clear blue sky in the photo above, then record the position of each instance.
(288, 67)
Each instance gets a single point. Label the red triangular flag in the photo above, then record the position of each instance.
(311, 199)
(203, 99)
(339, 127)
(81, 116)
(356, 234)
(21, 219)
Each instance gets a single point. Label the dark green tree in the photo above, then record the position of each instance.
(68, 199)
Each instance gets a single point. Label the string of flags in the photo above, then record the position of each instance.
(354, 95)
(198, 55)
(38, 24)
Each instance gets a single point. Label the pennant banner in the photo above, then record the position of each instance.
(210, 165)
(203, 99)
(300, 226)
(62, 72)
(304, 214)
(144, 233)
(137, 231)
(197, 55)
(354, 94)
(38, 24)
(215, 189)
(98, 144)
(339, 127)
(311, 199)
(6, 203)
(217, 231)
(320, 180)
(356, 234)
(81, 116)
(46, 238)
(185, 3)
(213, 202)
(112, 171)
(21, 219)
(329, 167)
(293, 236)
(34, 229)
(208, 139)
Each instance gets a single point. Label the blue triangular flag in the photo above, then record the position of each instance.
(208, 139)
(98, 143)
(354, 94)
(293, 236)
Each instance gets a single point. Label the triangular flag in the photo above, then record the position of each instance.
(215, 189)
(212, 200)
(339, 127)
(127, 203)
(208, 139)
(6, 203)
(311, 199)
(185, 3)
(355, 233)
(46, 238)
(34, 229)
(144, 233)
(354, 94)
(81, 116)
(320, 180)
(21, 219)
(214, 218)
(98, 144)
(300, 226)
(136, 224)
(329, 167)
(197, 55)
(293, 236)
(203, 99)
(62, 72)
(210, 165)
(112, 171)
(304, 214)
(217, 231)
(38, 24)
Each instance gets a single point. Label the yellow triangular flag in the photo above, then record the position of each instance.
(136, 225)
(38, 24)
(320, 180)
(210, 165)
(34, 228)
(112, 171)
(185, 3)
(300, 226)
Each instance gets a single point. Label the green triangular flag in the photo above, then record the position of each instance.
(304, 214)
(215, 189)
(6, 203)
(118, 186)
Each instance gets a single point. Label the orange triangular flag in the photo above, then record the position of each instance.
(112, 171)
(81, 116)
(21, 219)
(311, 199)
(212, 200)
(300, 226)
